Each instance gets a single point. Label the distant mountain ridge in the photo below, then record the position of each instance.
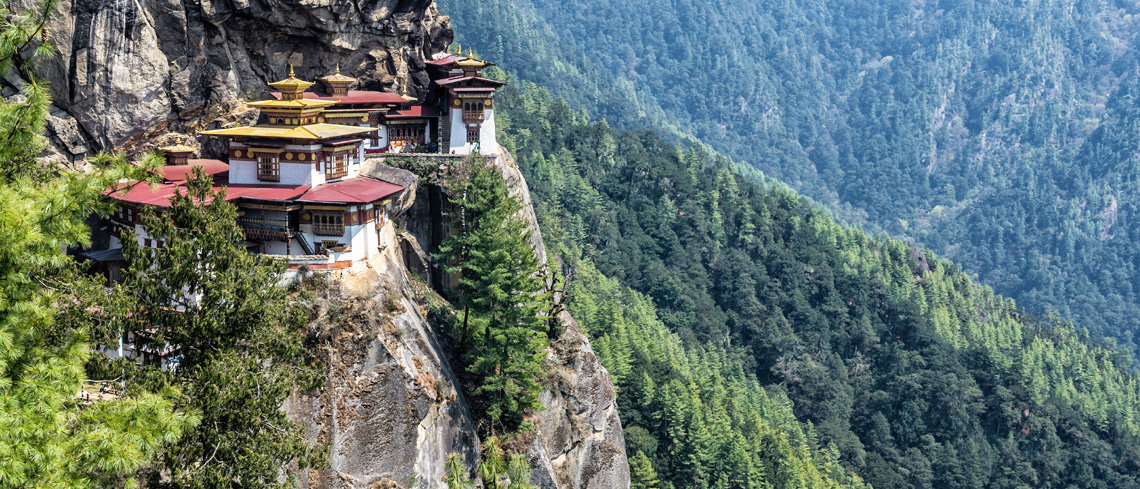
(756, 342)
(999, 134)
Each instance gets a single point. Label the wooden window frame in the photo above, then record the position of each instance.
(125, 214)
(413, 133)
(336, 166)
(327, 223)
(268, 167)
(473, 134)
(378, 215)
(473, 111)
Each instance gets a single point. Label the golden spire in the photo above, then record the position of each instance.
(337, 79)
(292, 87)
(472, 61)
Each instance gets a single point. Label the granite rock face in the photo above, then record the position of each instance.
(129, 70)
(393, 407)
(391, 410)
(580, 443)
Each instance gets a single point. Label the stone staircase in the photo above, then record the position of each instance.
(445, 133)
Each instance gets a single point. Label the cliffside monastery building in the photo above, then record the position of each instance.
(295, 175)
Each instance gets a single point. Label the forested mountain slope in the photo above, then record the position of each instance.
(1001, 134)
(712, 301)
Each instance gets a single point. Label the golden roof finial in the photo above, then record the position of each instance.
(338, 67)
(291, 85)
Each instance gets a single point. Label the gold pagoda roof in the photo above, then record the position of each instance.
(472, 61)
(307, 131)
(292, 84)
(300, 103)
(177, 148)
(337, 77)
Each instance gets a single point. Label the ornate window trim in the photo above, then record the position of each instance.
(268, 167)
(328, 223)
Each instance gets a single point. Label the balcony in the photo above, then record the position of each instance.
(263, 228)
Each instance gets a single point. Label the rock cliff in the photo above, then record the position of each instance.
(393, 409)
(132, 70)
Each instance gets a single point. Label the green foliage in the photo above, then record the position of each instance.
(501, 295)
(457, 477)
(239, 345)
(47, 438)
(1001, 134)
(496, 469)
(731, 299)
(641, 473)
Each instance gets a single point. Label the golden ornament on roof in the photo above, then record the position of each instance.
(292, 84)
(177, 148)
(338, 78)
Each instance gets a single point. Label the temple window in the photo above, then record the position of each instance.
(125, 214)
(473, 111)
(328, 223)
(472, 134)
(268, 168)
(378, 215)
(406, 132)
(336, 165)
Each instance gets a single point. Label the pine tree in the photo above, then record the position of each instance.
(239, 345)
(502, 296)
(47, 438)
(518, 472)
(457, 477)
(641, 473)
(493, 465)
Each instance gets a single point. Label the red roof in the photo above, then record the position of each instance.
(474, 89)
(413, 111)
(160, 194)
(349, 191)
(265, 192)
(446, 60)
(356, 97)
(142, 193)
(456, 79)
(179, 173)
(352, 191)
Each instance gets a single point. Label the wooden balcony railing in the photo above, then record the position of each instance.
(265, 228)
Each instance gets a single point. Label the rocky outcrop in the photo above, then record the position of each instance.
(130, 70)
(393, 409)
(580, 443)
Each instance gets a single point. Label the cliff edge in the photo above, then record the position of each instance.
(393, 409)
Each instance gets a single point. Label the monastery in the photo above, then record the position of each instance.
(295, 175)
